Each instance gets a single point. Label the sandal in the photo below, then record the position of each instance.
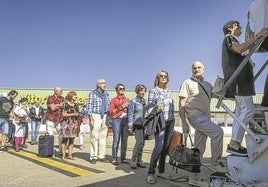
(63, 158)
(70, 157)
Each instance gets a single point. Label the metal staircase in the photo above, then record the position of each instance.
(252, 169)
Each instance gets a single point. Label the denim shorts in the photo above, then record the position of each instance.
(4, 126)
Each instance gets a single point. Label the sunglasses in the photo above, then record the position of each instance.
(163, 76)
(121, 89)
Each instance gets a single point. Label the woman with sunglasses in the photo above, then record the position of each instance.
(160, 97)
(118, 111)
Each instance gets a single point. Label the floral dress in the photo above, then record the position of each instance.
(69, 126)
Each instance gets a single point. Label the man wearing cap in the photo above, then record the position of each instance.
(242, 88)
(98, 106)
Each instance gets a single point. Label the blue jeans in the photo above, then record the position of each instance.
(159, 142)
(167, 138)
(120, 131)
(11, 133)
(35, 128)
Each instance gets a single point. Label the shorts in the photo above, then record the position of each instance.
(4, 125)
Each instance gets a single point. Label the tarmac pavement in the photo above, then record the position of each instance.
(24, 168)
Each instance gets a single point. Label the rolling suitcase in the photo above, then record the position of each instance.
(46, 145)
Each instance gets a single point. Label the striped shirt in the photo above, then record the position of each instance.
(162, 97)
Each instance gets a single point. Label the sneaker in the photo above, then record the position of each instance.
(133, 165)
(3, 149)
(151, 179)
(141, 165)
(164, 175)
(9, 144)
(199, 183)
(242, 151)
(93, 161)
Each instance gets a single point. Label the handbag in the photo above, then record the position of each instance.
(85, 120)
(185, 158)
(218, 85)
(175, 141)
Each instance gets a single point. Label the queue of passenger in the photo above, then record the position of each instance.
(128, 115)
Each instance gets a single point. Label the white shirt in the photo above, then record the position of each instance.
(37, 110)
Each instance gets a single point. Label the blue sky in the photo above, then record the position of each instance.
(72, 43)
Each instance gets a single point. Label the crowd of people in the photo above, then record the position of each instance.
(70, 120)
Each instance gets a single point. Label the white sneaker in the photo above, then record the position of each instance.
(199, 183)
(151, 179)
(3, 149)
